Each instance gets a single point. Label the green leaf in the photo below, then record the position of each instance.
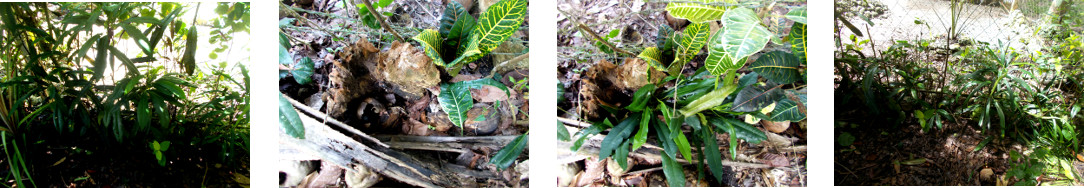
(664, 38)
(452, 11)
(756, 97)
(641, 135)
(777, 66)
(617, 135)
(845, 139)
(507, 155)
(562, 133)
(165, 145)
(140, 39)
(606, 49)
(455, 100)
(188, 61)
(798, 42)
(788, 110)
(622, 155)
(699, 12)
(478, 83)
(921, 119)
(710, 100)
(143, 113)
(711, 152)
(675, 176)
(741, 129)
(156, 146)
(498, 23)
(289, 120)
(303, 71)
(640, 98)
(683, 145)
(653, 58)
(718, 61)
(582, 135)
(101, 61)
(125, 61)
(431, 44)
(797, 14)
(743, 36)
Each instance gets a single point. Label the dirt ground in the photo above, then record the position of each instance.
(639, 22)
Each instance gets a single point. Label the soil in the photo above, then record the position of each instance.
(359, 80)
(590, 79)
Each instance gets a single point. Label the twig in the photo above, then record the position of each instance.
(321, 115)
(607, 43)
(505, 63)
(302, 18)
(573, 122)
(381, 19)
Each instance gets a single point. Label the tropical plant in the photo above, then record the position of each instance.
(462, 39)
(713, 100)
(52, 80)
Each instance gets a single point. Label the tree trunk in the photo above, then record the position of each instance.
(1057, 11)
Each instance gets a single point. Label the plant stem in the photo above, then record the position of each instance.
(381, 19)
(607, 43)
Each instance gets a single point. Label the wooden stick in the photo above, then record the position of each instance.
(573, 122)
(381, 19)
(506, 63)
(321, 115)
(607, 43)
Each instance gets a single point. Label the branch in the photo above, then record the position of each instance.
(333, 121)
(607, 43)
(506, 63)
(573, 122)
(381, 19)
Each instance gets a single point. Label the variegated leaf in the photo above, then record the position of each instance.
(777, 66)
(653, 58)
(498, 23)
(699, 11)
(718, 61)
(798, 41)
(455, 100)
(430, 41)
(744, 34)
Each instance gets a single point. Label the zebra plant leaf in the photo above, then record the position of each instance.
(455, 100)
(692, 40)
(470, 52)
(699, 11)
(744, 35)
(431, 43)
(653, 57)
(718, 61)
(798, 41)
(498, 23)
(777, 66)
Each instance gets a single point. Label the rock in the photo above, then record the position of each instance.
(407, 69)
(986, 174)
(482, 119)
(775, 127)
(524, 169)
(361, 176)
